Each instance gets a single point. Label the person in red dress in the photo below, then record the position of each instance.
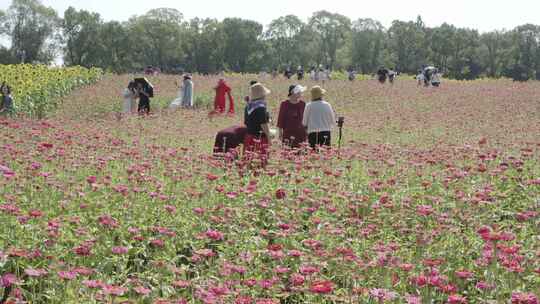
(222, 90)
(291, 112)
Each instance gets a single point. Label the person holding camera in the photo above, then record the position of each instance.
(291, 113)
(319, 119)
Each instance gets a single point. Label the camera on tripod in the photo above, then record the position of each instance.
(341, 121)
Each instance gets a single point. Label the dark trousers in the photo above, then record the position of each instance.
(144, 107)
(319, 139)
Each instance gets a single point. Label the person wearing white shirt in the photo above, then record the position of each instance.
(130, 102)
(319, 119)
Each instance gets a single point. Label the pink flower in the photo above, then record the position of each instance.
(483, 285)
(382, 294)
(464, 274)
(281, 194)
(413, 299)
(119, 250)
(308, 269)
(67, 275)
(297, 279)
(524, 298)
(181, 284)
(31, 272)
(214, 235)
(456, 299)
(91, 180)
(322, 287)
(142, 290)
(114, 290)
(171, 209)
(244, 300)
(8, 279)
(157, 243)
(93, 284)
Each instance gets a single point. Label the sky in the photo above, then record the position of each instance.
(484, 15)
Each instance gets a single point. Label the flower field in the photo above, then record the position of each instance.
(434, 197)
(37, 88)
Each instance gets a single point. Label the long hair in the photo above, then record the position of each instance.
(6, 86)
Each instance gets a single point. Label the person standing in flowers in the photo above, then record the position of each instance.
(144, 99)
(291, 113)
(436, 78)
(130, 99)
(258, 137)
(319, 119)
(185, 94)
(222, 89)
(6, 108)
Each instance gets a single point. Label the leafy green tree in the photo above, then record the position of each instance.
(241, 41)
(116, 48)
(204, 46)
(407, 43)
(81, 35)
(156, 38)
(368, 41)
(31, 27)
(284, 35)
(331, 30)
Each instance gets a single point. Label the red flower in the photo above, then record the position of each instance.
(281, 194)
(322, 287)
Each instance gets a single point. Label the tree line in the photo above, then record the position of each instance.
(164, 38)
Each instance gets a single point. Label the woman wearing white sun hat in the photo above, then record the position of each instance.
(291, 112)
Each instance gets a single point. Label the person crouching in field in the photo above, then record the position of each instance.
(319, 119)
(258, 138)
(291, 113)
(6, 107)
(130, 99)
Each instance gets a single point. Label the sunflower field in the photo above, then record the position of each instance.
(36, 88)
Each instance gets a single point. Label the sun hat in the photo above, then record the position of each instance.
(259, 91)
(296, 89)
(317, 93)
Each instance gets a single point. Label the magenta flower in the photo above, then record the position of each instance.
(8, 280)
(67, 275)
(322, 287)
(142, 290)
(119, 250)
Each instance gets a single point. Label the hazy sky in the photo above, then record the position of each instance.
(483, 15)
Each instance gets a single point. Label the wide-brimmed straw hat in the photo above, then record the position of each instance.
(259, 91)
(317, 93)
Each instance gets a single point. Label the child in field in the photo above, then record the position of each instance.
(6, 107)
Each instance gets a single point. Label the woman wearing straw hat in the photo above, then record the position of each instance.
(319, 119)
(291, 112)
(258, 135)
